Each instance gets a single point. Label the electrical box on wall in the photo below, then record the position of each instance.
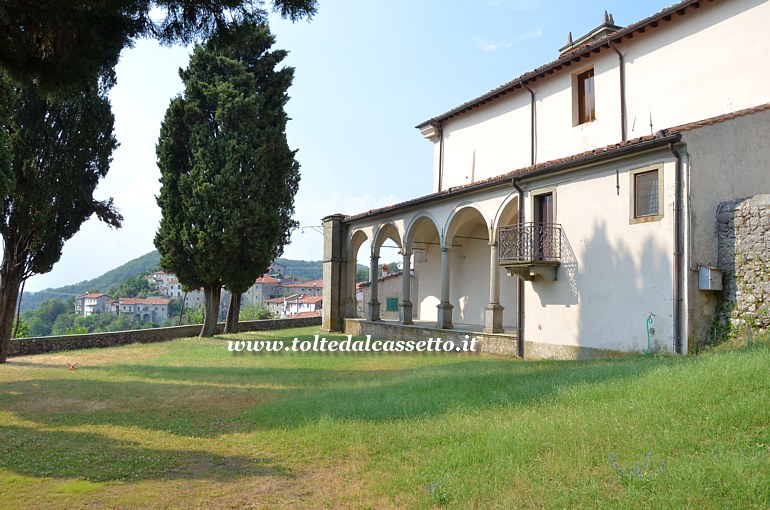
(709, 278)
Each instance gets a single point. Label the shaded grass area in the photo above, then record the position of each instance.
(187, 424)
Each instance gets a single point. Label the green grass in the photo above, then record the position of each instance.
(187, 424)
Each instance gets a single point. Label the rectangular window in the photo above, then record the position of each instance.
(585, 97)
(646, 194)
(391, 304)
(646, 202)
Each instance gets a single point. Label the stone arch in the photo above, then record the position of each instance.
(459, 217)
(357, 238)
(507, 214)
(383, 233)
(417, 226)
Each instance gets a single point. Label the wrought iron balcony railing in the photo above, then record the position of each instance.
(530, 244)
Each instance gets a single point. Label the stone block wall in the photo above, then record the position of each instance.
(744, 257)
(38, 345)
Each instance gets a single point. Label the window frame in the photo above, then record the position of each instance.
(633, 217)
(581, 97)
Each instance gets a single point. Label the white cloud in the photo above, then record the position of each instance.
(487, 45)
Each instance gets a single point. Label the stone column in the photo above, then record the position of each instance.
(444, 307)
(493, 313)
(333, 274)
(350, 305)
(406, 289)
(374, 303)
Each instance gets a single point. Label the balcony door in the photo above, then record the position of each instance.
(543, 231)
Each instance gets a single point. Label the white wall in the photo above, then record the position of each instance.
(613, 273)
(711, 61)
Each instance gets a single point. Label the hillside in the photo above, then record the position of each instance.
(301, 269)
(143, 264)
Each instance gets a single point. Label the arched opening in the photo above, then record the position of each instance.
(424, 242)
(388, 245)
(137, 317)
(359, 251)
(469, 254)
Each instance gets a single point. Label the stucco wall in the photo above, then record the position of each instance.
(613, 274)
(744, 254)
(663, 89)
(38, 345)
(722, 162)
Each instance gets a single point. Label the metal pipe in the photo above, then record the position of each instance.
(520, 286)
(440, 156)
(622, 92)
(532, 123)
(677, 250)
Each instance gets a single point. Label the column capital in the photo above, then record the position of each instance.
(491, 243)
(375, 257)
(444, 249)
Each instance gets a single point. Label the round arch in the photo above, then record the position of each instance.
(461, 215)
(416, 224)
(507, 214)
(383, 233)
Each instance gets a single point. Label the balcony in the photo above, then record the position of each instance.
(530, 250)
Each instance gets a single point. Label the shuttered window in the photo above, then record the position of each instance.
(585, 97)
(646, 199)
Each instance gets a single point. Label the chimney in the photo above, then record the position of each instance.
(607, 27)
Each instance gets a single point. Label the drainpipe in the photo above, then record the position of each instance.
(520, 287)
(440, 155)
(532, 126)
(622, 67)
(677, 250)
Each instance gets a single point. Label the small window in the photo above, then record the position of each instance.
(646, 200)
(646, 187)
(585, 97)
(391, 304)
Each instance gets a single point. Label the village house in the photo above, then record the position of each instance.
(92, 303)
(153, 310)
(311, 288)
(302, 304)
(573, 208)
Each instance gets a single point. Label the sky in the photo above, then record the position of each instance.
(366, 73)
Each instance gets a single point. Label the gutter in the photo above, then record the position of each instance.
(520, 285)
(677, 250)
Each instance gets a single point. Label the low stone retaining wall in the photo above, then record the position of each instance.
(38, 345)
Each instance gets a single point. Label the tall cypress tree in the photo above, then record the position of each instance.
(51, 159)
(228, 176)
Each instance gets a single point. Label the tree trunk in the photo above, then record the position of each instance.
(233, 313)
(211, 294)
(10, 280)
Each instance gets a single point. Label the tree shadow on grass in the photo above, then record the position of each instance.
(93, 457)
(275, 398)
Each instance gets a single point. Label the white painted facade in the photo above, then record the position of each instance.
(697, 108)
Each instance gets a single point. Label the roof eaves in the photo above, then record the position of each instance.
(575, 56)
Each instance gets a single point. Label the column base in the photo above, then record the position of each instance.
(444, 316)
(493, 318)
(405, 309)
(374, 310)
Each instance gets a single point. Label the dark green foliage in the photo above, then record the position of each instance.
(228, 175)
(64, 45)
(139, 266)
(302, 269)
(41, 321)
(56, 154)
(133, 287)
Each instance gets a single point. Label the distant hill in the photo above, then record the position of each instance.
(301, 269)
(145, 263)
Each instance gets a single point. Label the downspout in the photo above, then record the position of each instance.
(622, 67)
(677, 250)
(532, 127)
(440, 156)
(520, 286)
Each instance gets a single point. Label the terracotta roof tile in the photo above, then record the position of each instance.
(314, 283)
(145, 301)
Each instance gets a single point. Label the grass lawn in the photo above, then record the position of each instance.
(187, 424)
